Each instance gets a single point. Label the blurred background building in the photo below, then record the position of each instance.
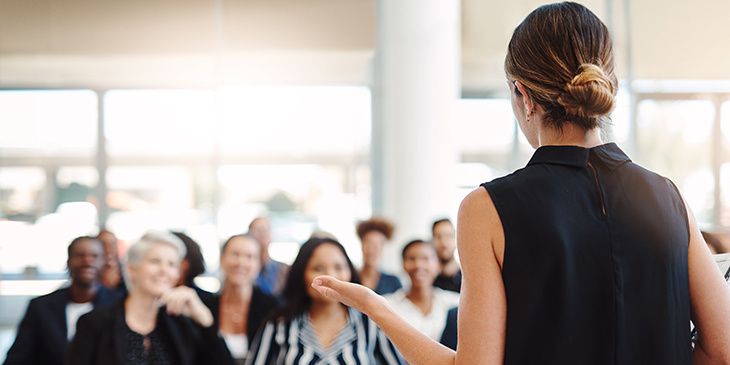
(200, 115)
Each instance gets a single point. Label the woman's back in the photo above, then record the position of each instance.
(595, 263)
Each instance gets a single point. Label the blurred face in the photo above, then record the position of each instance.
(444, 241)
(241, 261)
(85, 261)
(372, 247)
(421, 264)
(158, 271)
(327, 259)
(260, 229)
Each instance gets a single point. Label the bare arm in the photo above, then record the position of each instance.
(709, 301)
(482, 307)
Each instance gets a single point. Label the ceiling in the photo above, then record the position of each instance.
(104, 44)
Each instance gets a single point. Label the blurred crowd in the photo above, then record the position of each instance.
(146, 308)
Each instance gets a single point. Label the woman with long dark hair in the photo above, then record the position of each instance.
(313, 329)
(241, 307)
(581, 257)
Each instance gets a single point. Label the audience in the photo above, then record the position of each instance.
(273, 273)
(157, 323)
(192, 265)
(50, 321)
(444, 241)
(423, 305)
(374, 233)
(312, 329)
(240, 307)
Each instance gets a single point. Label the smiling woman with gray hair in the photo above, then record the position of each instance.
(157, 322)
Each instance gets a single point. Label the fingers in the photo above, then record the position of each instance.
(324, 285)
(178, 300)
(184, 301)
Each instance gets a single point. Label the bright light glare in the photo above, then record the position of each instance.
(483, 125)
(296, 120)
(162, 122)
(48, 120)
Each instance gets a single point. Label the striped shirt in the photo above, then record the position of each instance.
(360, 342)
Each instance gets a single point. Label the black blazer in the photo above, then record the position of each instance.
(41, 337)
(101, 339)
(261, 305)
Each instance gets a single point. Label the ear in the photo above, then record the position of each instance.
(131, 270)
(526, 99)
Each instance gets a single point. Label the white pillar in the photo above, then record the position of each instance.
(416, 83)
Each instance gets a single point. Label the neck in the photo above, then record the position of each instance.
(369, 268)
(326, 309)
(83, 293)
(571, 135)
(140, 312)
(235, 293)
(449, 267)
(141, 302)
(265, 259)
(420, 293)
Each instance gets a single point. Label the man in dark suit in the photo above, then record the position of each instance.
(50, 321)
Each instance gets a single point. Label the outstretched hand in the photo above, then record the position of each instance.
(350, 294)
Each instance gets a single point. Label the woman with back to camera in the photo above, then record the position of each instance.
(157, 323)
(313, 329)
(581, 257)
(374, 234)
(241, 306)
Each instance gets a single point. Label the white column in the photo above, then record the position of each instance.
(416, 83)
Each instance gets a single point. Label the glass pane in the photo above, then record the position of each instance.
(299, 199)
(295, 121)
(675, 140)
(484, 125)
(159, 122)
(22, 192)
(143, 198)
(620, 117)
(39, 122)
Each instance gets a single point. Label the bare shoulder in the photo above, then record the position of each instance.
(479, 224)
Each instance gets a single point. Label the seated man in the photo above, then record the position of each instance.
(444, 240)
(273, 273)
(50, 321)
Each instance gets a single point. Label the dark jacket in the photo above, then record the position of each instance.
(42, 334)
(101, 339)
(261, 305)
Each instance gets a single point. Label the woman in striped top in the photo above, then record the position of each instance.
(312, 329)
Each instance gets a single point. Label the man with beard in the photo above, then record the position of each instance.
(444, 241)
(50, 321)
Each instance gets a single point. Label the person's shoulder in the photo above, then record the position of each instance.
(264, 299)
(56, 297)
(446, 296)
(396, 296)
(101, 318)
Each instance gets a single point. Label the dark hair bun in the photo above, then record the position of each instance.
(589, 94)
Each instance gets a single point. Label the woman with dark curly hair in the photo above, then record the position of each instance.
(374, 234)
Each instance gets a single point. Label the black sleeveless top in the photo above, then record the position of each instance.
(584, 287)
